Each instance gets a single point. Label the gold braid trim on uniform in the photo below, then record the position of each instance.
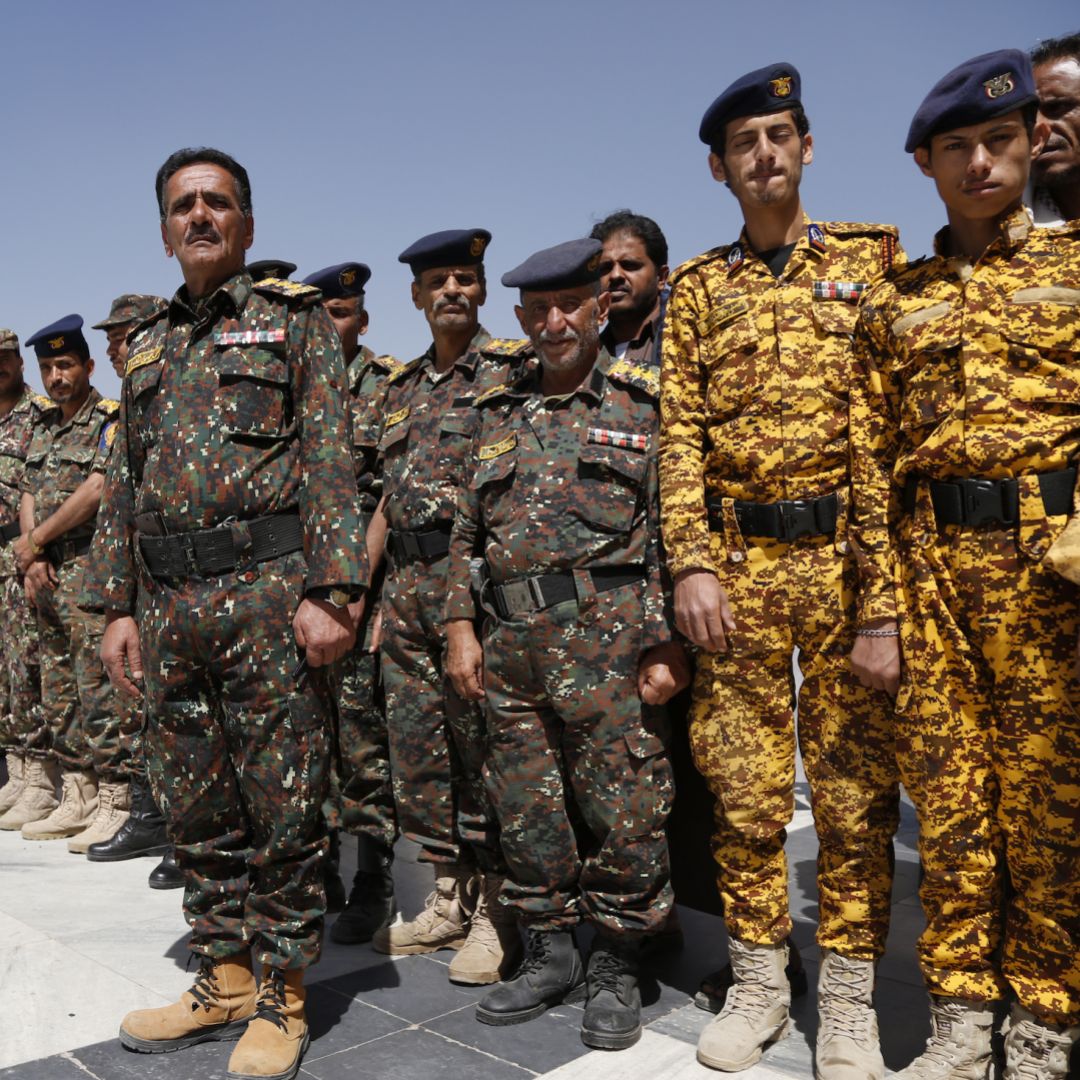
(644, 378)
(281, 287)
(109, 406)
(507, 346)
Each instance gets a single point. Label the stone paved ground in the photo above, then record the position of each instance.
(81, 943)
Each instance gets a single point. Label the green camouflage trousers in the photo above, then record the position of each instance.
(78, 699)
(742, 733)
(22, 721)
(237, 754)
(436, 739)
(988, 740)
(580, 783)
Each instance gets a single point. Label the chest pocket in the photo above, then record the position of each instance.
(1044, 324)
(491, 479)
(72, 464)
(456, 430)
(253, 399)
(366, 421)
(929, 366)
(143, 384)
(834, 327)
(736, 376)
(610, 481)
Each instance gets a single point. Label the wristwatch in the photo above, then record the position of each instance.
(334, 595)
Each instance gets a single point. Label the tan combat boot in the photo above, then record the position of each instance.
(493, 946)
(37, 799)
(847, 1038)
(78, 805)
(215, 1009)
(444, 922)
(755, 1012)
(113, 809)
(1035, 1050)
(9, 793)
(277, 1036)
(959, 1043)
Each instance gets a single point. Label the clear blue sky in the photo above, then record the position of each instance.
(365, 125)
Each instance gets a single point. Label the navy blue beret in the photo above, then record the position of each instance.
(270, 268)
(341, 280)
(451, 247)
(577, 262)
(63, 336)
(979, 89)
(769, 89)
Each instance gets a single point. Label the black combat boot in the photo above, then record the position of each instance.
(335, 887)
(551, 973)
(167, 874)
(612, 1018)
(142, 834)
(371, 903)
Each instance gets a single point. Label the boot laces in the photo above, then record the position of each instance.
(606, 969)
(481, 927)
(271, 1000)
(205, 986)
(537, 952)
(752, 993)
(845, 1010)
(1030, 1052)
(942, 1049)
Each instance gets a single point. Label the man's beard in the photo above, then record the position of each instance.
(587, 341)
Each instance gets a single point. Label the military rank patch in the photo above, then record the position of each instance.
(250, 337)
(815, 236)
(839, 290)
(108, 435)
(397, 417)
(735, 258)
(141, 359)
(494, 450)
(625, 440)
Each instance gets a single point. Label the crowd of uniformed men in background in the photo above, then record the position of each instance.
(288, 590)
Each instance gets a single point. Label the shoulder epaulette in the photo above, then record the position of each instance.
(405, 369)
(1066, 228)
(700, 260)
(640, 375)
(289, 289)
(390, 364)
(41, 401)
(507, 347)
(109, 406)
(859, 228)
(495, 392)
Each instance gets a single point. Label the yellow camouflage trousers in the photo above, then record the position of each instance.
(988, 742)
(742, 734)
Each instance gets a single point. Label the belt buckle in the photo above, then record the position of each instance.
(187, 550)
(981, 500)
(796, 518)
(518, 596)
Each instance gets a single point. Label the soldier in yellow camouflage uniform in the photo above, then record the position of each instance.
(965, 444)
(754, 477)
(23, 732)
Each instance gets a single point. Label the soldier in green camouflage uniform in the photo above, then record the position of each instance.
(965, 440)
(61, 487)
(436, 739)
(231, 533)
(362, 799)
(563, 507)
(23, 731)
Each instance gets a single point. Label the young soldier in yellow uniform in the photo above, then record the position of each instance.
(965, 440)
(754, 486)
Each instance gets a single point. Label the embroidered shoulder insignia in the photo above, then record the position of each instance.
(109, 406)
(41, 401)
(494, 450)
(141, 359)
(108, 435)
(644, 378)
(396, 417)
(493, 392)
(389, 363)
(281, 287)
(508, 346)
(399, 373)
(859, 228)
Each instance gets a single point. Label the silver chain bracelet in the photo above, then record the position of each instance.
(877, 633)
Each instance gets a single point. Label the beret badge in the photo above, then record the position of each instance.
(780, 87)
(999, 85)
(56, 343)
(476, 248)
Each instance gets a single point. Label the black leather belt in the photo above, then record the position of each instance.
(209, 552)
(61, 551)
(547, 590)
(966, 501)
(431, 544)
(8, 532)
(785, 520)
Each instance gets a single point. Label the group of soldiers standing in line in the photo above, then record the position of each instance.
(451, 598)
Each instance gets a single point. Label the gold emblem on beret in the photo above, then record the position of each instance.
(347, 277)
(780, 87)
(476, 248)
(999, 85)
(56, 342)
(594, 262)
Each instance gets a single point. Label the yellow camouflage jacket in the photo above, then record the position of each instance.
(755, 376)
(966, 370)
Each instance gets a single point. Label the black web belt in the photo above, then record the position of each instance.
(547, 590)
(210, 552)
(785, 520)
(8, 532)
(61, 551)
(980, 502)
(430, 544)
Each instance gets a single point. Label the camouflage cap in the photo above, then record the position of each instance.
(8, 339)
(132, 308)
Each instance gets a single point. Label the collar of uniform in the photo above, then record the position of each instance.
(86, 409)
(469, 358)
(1013, 232)
(749, 258)
(359, 364)
(592, 386)
(648, 332)
(234, 293)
